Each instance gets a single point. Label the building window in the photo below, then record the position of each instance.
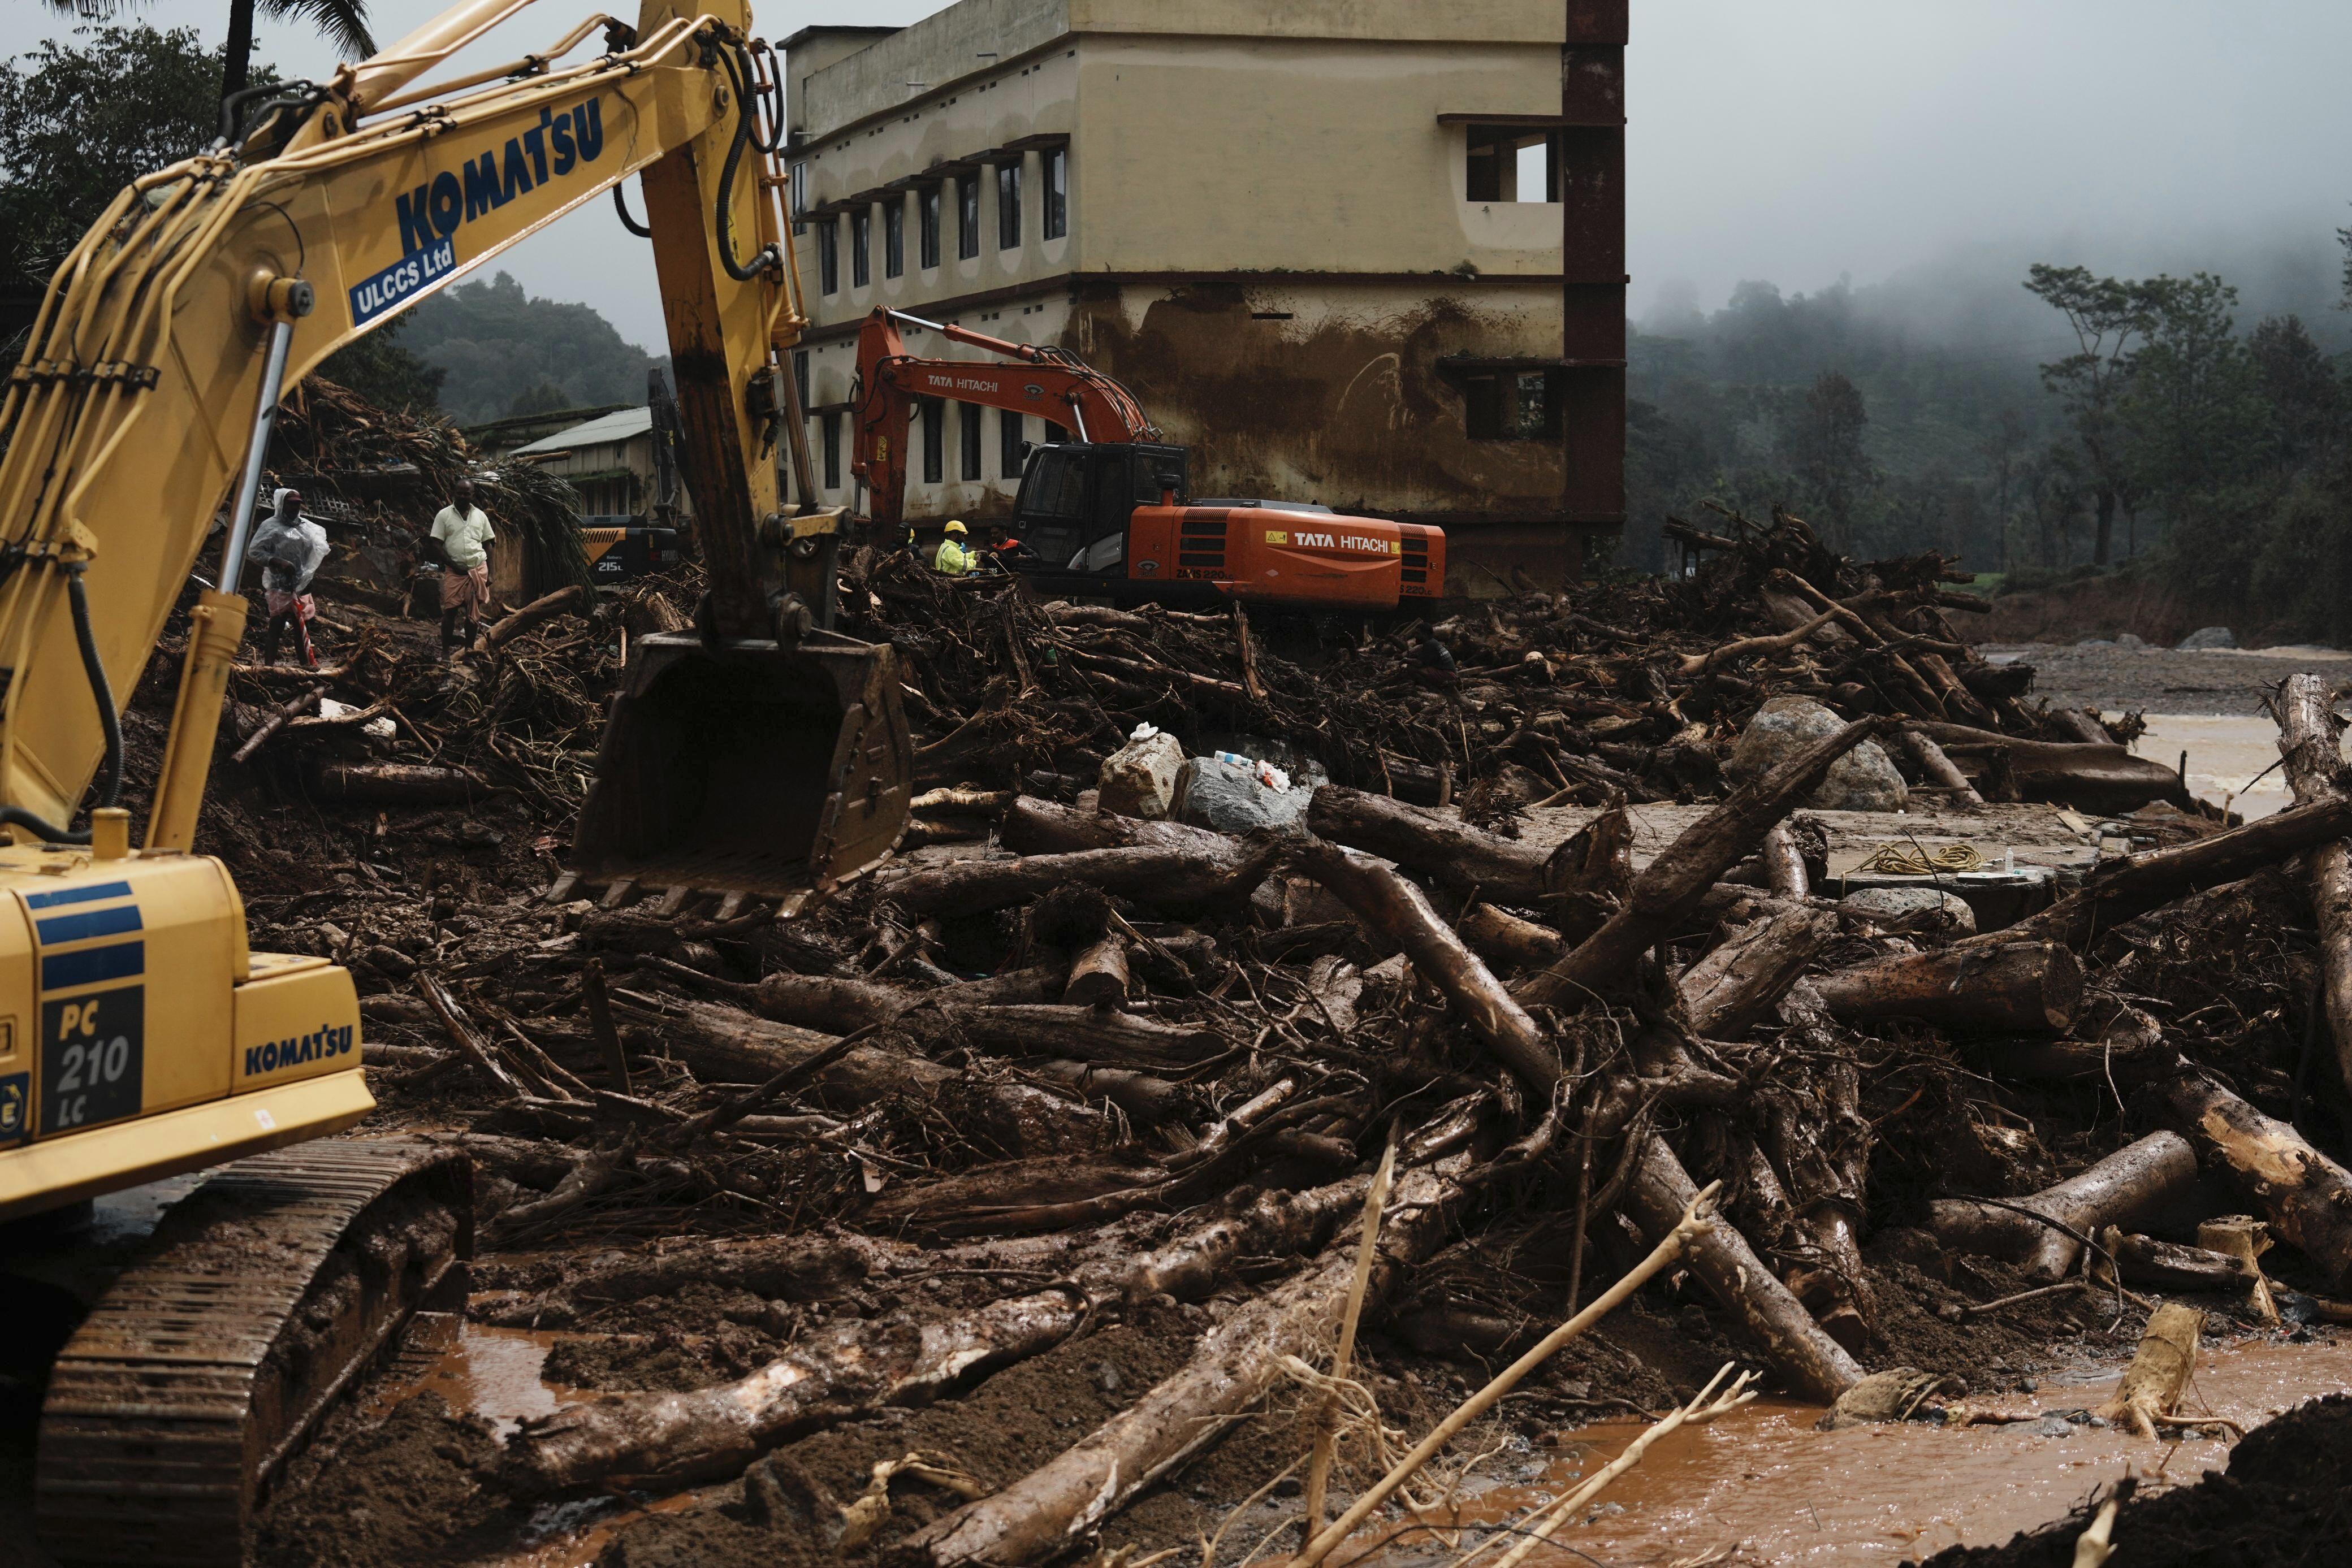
(1008, 206)
(1056, 167)
(1512, 407)
(930, 201)
(935, 440)
(968, 459)
(968, 216)
(1011, 428)
(832, 432)
(800, 197)
(893, 237)
(1054, 434)
(861, 262)
(1512, 164)
(828, 258)
(801, 376)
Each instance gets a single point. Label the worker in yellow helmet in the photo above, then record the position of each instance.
(954, 557)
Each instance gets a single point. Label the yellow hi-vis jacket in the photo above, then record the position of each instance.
(953, 559)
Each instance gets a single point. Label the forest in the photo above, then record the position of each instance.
(2165, 436)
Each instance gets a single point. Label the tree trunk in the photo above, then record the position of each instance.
(1663, 895)
(1503, 938)
(1394, 908)
(1455, 853)
(1784, 863)
(1151, 874)
(1940, 770)
(2138, 1185)
(2159, 1370)
(2103, 540)
(397, 784)
(2029, 986)
(2311, 742)
(1037, 827)
(544, 608)
(2091, 776)
(2120, 890)
(1730, 989)
(1098, 976)
(1816, 1366)
(2306, 1196)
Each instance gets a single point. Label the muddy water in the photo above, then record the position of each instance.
(2226, 751)
(1764, 1483)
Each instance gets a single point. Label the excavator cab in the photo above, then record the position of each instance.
(1077, 502)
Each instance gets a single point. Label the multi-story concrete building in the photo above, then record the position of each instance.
(1368, 253)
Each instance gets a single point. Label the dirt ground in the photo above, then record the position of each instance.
(2160, 680)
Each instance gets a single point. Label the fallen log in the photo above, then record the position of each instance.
(838, 1006)
(1396, 909)
(1670, 888)
(2102, 777)
(2120, 890)
(2311, 748)
(1784, 863)
(855, 1368)
(1034, 826)
(397, 783)
(1939, 770)
(1732, 990)
(1444, 847)
(2155, 1265)
(2306, 1196)
(1098, 976)
(1501, 937)
(279, 718)
(1814, 1365)
(1085, 1034)
(2139, 1183)
(1149, 875)
(2026, 986)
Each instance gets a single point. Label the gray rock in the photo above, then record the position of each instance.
(2047, 1427)
(1860, 781)
(1139, 779)
(2209, 637)
(2127, 640)
(1913, 906)
(1229, 797)
(2095, 642)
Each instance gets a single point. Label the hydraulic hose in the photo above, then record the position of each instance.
(738, 70)
(621, 206)
(110, 790)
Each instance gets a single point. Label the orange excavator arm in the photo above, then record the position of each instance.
(1044, 382)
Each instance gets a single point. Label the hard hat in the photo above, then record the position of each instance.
(954, 527)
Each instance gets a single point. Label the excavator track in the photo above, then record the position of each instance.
(262, 1296)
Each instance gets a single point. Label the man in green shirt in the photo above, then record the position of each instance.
(954, 557)
(462, 537)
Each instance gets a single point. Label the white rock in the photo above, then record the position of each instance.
(1860, 781)
(1139, 779)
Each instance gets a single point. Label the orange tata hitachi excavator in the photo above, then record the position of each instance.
(1111, 515)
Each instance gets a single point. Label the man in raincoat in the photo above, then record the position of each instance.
(954, 557)
(289, 548)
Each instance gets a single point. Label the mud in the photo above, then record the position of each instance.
(2158, 680)
(2284, 1502)
(418, 1488)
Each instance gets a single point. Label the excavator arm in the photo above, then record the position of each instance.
(1044, 382)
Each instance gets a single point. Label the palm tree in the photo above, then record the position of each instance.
(344, 24)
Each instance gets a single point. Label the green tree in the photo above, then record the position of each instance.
(344, 22)
(498, 343)
(2105, 315)
(2306, 399)
(80, 120)
(2191, 411)
(1823, 444)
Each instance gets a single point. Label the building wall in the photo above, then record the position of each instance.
(1270, 239)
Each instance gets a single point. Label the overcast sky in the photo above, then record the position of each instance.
(1798, 141)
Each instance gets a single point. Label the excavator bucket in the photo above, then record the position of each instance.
(748, 769)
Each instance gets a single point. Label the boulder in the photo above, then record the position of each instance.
(2209, 637)
(1860, 781)
(1139, 779)
(2129, 640)
(1229, 797)
(1913, 907)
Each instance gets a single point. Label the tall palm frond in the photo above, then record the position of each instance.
(343, 23)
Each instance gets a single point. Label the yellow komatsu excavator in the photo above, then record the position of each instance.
(140, 1038)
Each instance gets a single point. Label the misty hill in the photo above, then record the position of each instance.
(505, 352)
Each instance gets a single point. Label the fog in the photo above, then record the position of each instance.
(1926, 150)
